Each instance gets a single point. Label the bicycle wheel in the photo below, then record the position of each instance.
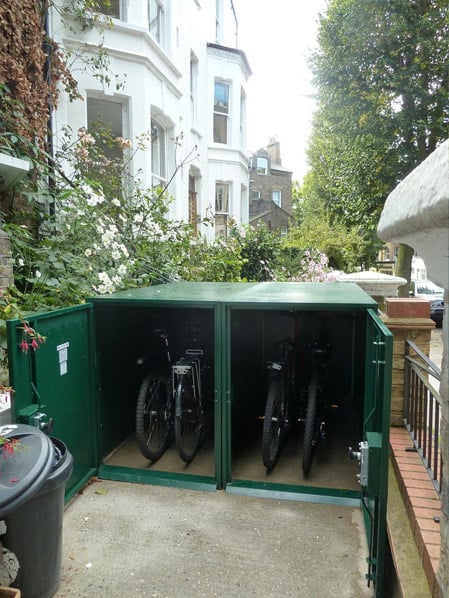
(188, 420)
(310, 425)
(154, 416)
(273, 424)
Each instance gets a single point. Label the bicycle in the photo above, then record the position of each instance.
(314, 423)
(189, 411)
(154, 409)
(281, 390)
(171, 402)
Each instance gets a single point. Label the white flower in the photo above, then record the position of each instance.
(20, 262)
(107, 238)
(138, 218)
(116, 202)
(106, 285)
(38, 274)
(121, 270)
(92, 198)
(116, 254)
(88, 252)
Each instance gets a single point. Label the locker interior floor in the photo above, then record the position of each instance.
(331, 467)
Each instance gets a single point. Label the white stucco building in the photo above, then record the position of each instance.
(179, 75)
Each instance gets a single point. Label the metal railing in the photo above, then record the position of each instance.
(422, 409)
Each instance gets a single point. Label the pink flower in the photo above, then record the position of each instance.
(9, 448)
(34, 344)
(24, 346)
(27, 328)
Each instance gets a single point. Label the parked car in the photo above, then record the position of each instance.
(437, 311)
(426, 289)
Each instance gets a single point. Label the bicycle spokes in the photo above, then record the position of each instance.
(188, 420)
(154, 416)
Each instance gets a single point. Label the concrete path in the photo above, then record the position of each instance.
(125, 539)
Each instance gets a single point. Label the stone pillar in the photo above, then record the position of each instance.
(443, 572)
(6, 262)
(407, 318)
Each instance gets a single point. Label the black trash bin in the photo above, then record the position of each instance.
(32, 486)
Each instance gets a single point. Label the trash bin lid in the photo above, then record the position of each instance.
(23, 472)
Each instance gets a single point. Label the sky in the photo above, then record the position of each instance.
(277, 38)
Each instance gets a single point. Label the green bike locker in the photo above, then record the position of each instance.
(256, 318)
(54, 386)
(86, 377)
(125, 322)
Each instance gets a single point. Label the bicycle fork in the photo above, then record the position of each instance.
(187, 366)
(276, 371)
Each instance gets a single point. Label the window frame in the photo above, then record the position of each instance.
(116, 126)
(193, 85)
(115, 11)
(225, 188)
(156, 24)
(158, 153)
(263, 170)
(220, 132)
(278, 201)
(221, 214)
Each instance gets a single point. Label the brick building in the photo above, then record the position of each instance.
(270, 186)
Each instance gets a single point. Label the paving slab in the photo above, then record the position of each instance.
(123, 539)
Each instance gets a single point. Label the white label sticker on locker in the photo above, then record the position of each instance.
(5, 401)
(63, 355)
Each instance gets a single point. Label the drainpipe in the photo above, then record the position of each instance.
(236, 25)
(47, 76)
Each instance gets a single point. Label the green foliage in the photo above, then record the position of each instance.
(220, 261)
(106, 232)
(382, 78)
(260, 250)
(345, 248)
(306, 265)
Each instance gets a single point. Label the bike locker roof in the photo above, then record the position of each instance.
(298, 295)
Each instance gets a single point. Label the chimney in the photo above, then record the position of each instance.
(274, 149)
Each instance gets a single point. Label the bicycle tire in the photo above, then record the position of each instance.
(188, 420)
(310, 425)
(273, 424)
(154, 416)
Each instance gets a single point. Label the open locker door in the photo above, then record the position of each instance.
(54, 387)
(374, 449)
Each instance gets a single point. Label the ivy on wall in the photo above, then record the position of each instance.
(31, 68)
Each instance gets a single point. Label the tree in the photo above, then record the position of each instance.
(382, 76)
(344, 247)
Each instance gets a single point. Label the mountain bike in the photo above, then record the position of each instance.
(314, 423)
(171, 403)
(189, 408)
(281, 390)
(154, 409)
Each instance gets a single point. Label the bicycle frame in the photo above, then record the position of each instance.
(278, 404)
(189, 363)
(162, 407)
(314, 423)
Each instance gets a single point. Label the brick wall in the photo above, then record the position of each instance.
(407, 319)
(6, 262)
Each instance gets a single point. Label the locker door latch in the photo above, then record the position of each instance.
(362, 456)
(42, 421)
